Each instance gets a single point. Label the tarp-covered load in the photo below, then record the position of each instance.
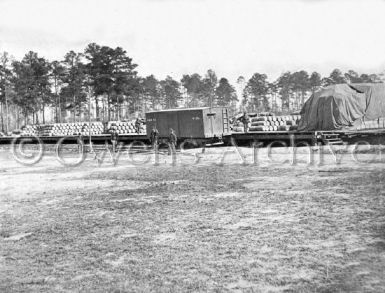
(343, 106)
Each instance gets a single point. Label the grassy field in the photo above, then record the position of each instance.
(192, 228)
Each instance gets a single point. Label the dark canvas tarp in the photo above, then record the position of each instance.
(343, 106)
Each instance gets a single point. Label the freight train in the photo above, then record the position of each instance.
(208, 125)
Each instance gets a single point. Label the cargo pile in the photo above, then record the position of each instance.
(63, 129)
(95, 128)
(126, 127)
(30, 130)
(355, 106)
(237, 128)
(274, 123)
(68, 129)
(270, 123)
(71, 129)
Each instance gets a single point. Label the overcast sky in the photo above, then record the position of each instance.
(233, 37)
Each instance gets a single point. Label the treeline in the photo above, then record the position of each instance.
(290, 91)
(107, 78)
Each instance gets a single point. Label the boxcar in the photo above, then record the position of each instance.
(204, 124)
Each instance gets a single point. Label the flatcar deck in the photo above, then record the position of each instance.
(270, 136)
(375, 136)
(97, 139)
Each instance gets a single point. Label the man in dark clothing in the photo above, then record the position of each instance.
(114, 139)
(138, 123)
(173, 139)
(154, 135)
(245, 121)
(80, 142)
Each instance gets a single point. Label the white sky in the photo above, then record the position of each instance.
(233, 37)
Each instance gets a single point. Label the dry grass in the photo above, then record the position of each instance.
(195, 228)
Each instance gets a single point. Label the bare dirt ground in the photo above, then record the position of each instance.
(210, 226)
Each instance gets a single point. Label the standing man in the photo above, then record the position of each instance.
(80, 142)
(245, 121)
(138, 122)
(173, 140)
(154, 137)
(114, 139)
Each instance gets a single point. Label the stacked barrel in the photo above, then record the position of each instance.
(237, 128)
(274, 123)
(70, 129)
(30, 130)
(125, 127)
(93, 128)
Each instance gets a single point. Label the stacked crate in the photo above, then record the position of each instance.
(125, 127)
(274, 123)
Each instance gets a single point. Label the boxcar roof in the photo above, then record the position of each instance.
(183, 109)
